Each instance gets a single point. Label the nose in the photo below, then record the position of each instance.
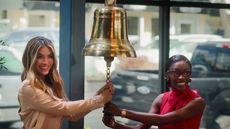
(45, 60)
(181, 76)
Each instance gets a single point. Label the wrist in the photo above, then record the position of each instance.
(123, 113)
(97, 102)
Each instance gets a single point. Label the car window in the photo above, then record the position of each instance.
(12, 63)
(211, 61)
(21, 36)
(25, 36)
(204, 56)
(223, 60)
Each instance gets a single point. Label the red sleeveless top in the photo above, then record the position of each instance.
(174, 100)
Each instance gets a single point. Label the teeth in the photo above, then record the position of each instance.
(44, 68)
(181, 83)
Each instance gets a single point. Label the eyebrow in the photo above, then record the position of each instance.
(179, 69)
(48, 54)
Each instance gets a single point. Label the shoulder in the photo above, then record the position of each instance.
(25, 86)
(196, 99)
(26, 89)
(199, 100)
(159, 98)
(197, 104)
(196, 92)
(163, 95)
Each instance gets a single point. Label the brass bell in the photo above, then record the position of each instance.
(109, 34)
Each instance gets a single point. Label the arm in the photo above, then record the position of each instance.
(108, 86)
(196, 106)
(155, 109)
(45, 103)
(110, 122)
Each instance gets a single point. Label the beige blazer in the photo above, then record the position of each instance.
(43, 110)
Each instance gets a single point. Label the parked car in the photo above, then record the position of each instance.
(9, 84)
(136, 89)
(4, 33)
(211, 76)
(19, 38)
(178, 43)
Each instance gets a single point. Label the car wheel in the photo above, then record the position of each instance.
(201, 68)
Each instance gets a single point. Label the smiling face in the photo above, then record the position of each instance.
(179, 74)
(44, 61)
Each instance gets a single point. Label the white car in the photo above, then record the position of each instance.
(9, 84)
(19, 38)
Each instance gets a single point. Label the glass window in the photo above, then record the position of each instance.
(12, 63)
(20, 21)
(155, 24)
(223, 61)
(202, 36)
(185, 28)
(132, 24)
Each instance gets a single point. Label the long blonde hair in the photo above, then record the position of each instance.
(53, 79)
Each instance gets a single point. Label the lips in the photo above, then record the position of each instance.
(44, 68)
(181, 83)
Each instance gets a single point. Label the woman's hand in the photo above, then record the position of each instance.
(106, 92)
(112, 109)
(108, 85)
(108, 120)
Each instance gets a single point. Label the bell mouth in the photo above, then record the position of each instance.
(109, 48)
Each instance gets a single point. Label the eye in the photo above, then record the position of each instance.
(177, 73)
(187, 73)
(51, 56)
(39, 56)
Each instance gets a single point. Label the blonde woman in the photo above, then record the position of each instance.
(43, 103)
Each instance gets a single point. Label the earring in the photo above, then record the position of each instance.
(189, 80)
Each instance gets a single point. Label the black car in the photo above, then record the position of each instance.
(136, 89)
